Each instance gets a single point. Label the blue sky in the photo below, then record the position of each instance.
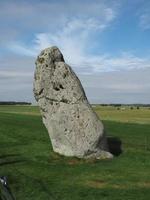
(107, 43)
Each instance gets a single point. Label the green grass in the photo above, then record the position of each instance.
(110, 113)
(36, 173)
(26, 110)
(125, 114)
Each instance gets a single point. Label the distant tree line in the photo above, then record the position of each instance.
(14, 103)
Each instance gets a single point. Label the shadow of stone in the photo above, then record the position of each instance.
(115, 145)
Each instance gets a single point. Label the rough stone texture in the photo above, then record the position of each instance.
(73, 127)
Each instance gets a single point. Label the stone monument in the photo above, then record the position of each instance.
(73, 126)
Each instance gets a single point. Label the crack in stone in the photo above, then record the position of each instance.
(41, 91)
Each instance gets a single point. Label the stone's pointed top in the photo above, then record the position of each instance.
(54, 53)
(50, 49)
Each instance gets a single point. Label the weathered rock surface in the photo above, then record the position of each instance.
(73, 127)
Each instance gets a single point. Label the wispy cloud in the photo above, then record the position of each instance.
(11, 74)
(145, 20)
(80, 29)
(48, 16)
(74, 48)
(144, 16)
(71, 28)
(74, 33)
(74, 38)
(118, 87)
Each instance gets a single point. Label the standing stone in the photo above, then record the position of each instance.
(73, 127)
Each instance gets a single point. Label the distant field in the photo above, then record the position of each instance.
(35, 172)
(125, 114)
(28, 110)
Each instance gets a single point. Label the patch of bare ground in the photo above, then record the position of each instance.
(77, 161)
(96, 183)
(143, 184)
(119, 186)
(103, 184)
(74, 162)
(138, 184)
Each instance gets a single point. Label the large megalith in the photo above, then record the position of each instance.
(73, 127)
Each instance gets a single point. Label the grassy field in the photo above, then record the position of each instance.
(36, 173)
(109, 113)
(124, 114)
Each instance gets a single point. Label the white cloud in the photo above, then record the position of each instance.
(21, 49)
(128, 87)
(118, 87)
(70, 27)
(28, 16)
(145, 21)
(74, 48)
(74, 41)
(27, 27)
(74, 35)
(73, 38)
(15, 74)
(144, 16)
(72, 32)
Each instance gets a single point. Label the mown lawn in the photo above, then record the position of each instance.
(36, 173)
